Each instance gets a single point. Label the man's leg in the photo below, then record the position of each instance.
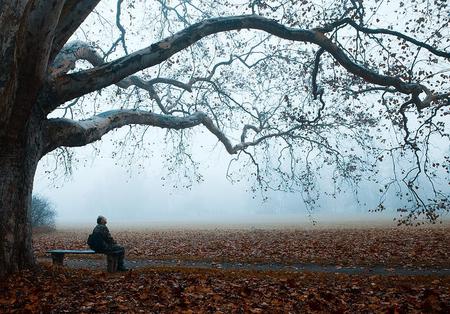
(120, 251)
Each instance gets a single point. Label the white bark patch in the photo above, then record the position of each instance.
(165, 45)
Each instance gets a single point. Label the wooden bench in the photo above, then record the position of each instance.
(112, 259)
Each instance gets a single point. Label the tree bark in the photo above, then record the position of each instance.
(18, 162)
(26, 34)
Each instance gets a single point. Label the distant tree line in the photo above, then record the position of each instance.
(42, 212)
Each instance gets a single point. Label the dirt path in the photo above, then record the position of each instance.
(374, 270)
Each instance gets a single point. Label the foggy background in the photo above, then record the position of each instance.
(133, 196)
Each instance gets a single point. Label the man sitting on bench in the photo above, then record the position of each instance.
(101, 241)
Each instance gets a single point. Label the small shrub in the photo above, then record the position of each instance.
(42, 213)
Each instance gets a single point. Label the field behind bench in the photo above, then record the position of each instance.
(346, 246)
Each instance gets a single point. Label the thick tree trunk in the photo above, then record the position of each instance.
(16, 181)
(26, 34)
(18, 162)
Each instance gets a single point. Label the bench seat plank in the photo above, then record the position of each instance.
(112, 258)
(72, 252)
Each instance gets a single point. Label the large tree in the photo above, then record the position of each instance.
(292, 87)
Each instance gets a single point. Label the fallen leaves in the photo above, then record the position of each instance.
(389, 247)
(60, 290)
(178, 290)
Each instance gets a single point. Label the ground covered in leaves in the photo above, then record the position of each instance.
(60, 290)
(193, 290)
(389, 246)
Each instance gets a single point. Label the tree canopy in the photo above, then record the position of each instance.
(295, 89)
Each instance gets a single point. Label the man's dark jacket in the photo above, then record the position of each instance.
(101, 240)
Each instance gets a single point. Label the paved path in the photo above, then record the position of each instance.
(375, 270)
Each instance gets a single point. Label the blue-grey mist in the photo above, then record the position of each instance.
(131, 196)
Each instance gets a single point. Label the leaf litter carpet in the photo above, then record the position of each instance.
(178, 285)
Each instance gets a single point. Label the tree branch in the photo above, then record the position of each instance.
(30, 52)
(79, 50)
(70, 133)
(65, 132)
(315, 72)
(73, 85)
(70, 54)
(37, 36)
(73, 14)
(330, 27)
(120, 27)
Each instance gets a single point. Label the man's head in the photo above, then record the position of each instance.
(101, 220)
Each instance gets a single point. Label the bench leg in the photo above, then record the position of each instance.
(58, 258)
(112, 260)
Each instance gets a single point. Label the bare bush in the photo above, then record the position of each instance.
(42, 212)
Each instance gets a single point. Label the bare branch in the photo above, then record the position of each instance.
(73, 14)
(120, 27)
(315, 88)
(330, 27)
(66, 132)
(70, 133)
(39, 34)
(26, 32)
(70, 54)
(122, 32)
(79, 50)
(27, 59)
(245, 130)
(77, 84)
